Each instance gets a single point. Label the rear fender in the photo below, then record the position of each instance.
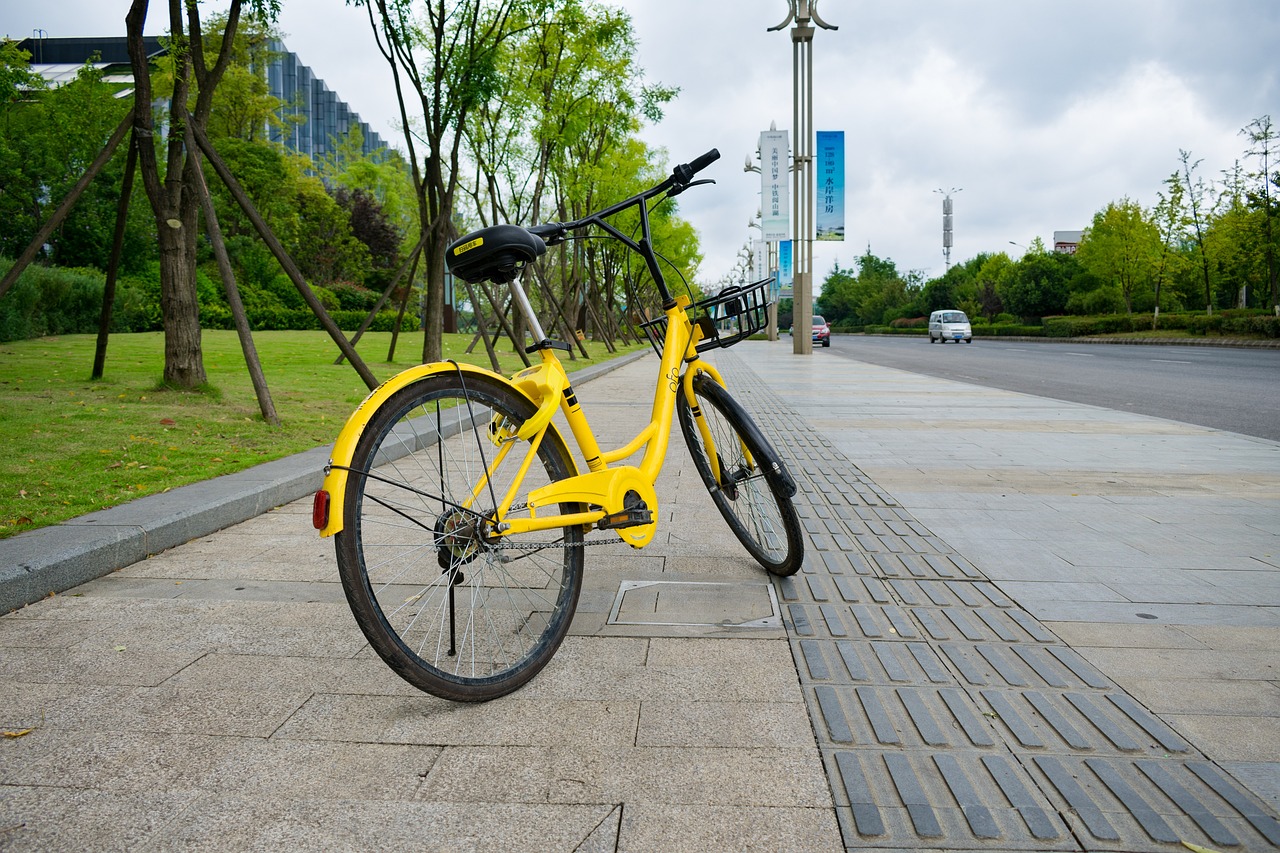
(335, 479)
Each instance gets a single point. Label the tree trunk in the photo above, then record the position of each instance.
(183, 357)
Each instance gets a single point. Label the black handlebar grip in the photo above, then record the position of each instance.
(685, 172)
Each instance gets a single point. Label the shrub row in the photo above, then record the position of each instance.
(60, 301)
(65, 301)
(1229, 322)
(1006, 330)
(301, 319)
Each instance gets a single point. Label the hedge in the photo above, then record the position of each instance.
(65, 301)
(1228, 322)
(999, 330)
(301, 319)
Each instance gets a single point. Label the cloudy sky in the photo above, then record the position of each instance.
(1040, 112)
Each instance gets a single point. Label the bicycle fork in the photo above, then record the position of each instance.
(723, 479)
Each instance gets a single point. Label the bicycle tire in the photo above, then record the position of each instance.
(757, 509)
(450, 611)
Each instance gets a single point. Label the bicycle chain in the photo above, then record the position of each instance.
(506, 545)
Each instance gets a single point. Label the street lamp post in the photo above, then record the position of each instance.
(770, 257)
(802, 12)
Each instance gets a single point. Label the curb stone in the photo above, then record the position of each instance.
(54, 559)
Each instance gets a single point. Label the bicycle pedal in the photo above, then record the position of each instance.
(626, 518)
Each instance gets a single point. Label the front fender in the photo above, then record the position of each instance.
(344, 448)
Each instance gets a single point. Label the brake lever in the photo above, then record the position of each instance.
(675, 191)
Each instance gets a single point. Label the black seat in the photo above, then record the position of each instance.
(496, 253)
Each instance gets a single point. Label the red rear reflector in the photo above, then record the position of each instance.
(320, 510)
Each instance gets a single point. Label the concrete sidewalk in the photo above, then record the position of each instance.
(1067, 642)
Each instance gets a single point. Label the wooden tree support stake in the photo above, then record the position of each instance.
(412, 260)
(113, 263)
(290, 268)
(214, 230)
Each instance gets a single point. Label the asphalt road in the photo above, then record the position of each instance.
(1231, 389)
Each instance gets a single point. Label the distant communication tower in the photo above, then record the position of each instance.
(946, 222)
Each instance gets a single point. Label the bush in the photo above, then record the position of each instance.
(1102, 300)
(63, 301)
(1007, 330)
(1235, 323)
(1265, 325)
(896, 330)
(1074, 327)
(910, 322)
(353, 297)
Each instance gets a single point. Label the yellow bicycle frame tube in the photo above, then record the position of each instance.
(547, 379)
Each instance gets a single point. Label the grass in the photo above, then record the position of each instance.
(71, 445)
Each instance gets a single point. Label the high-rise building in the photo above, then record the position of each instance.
(315, 115)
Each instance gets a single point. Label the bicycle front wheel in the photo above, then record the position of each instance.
(758, 512)
(453, 608)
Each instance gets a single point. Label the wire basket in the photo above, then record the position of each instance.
(734, 314)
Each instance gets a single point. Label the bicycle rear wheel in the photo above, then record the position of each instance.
(453, 609)
(758, 511)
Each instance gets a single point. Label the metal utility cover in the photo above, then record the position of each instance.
(696, 603)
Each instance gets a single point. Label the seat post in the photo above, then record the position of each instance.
(522, 299)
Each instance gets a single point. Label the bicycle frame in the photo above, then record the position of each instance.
(605, 486)
(546, 386)
(614, 490)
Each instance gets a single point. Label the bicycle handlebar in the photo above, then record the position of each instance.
(685, 171)
(499, 252)
(680, 178)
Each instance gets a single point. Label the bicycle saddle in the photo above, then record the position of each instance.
(495, 253)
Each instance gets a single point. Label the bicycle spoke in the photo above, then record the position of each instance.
(455, 607)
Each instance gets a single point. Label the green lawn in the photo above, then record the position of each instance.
(70, 445)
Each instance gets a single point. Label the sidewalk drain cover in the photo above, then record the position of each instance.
(696, 603)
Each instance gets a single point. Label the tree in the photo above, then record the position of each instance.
(324, 246)
(245, 108)
(876, 295)
(558, 139)
(371, 226)
(175, 197)
(1168, 216)
(1121, 248)
(994, 272)
(1040, 284)
(447, 57)
(1263, 139)
(48, 138)
(835, 298)
(1198, 213)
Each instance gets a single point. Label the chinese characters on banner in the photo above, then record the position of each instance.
(786, 270)
(830, 189)
(775, 199)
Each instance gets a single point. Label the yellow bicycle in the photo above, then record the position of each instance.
(459, 514)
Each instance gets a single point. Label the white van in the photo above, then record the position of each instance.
(949, 325)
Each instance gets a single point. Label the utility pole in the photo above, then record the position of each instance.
(802, 12)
